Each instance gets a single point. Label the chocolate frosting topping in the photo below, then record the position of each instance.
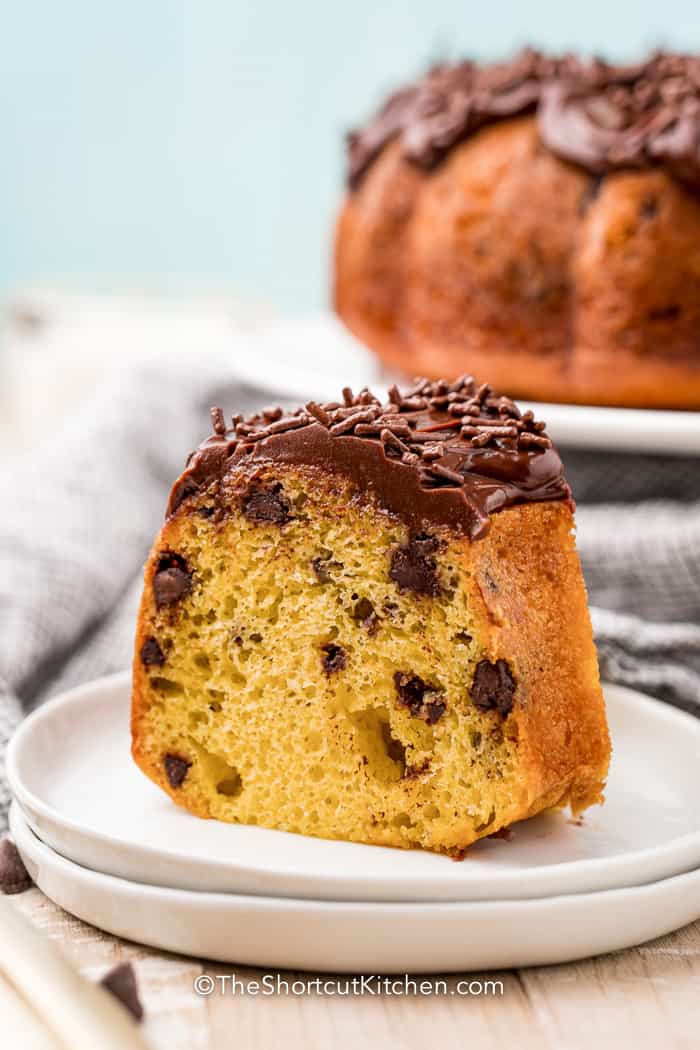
(600, 116)
(441, 453)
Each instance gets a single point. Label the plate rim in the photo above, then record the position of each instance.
(587, 869)
(667, 425)
(336, 937)
(276, 903)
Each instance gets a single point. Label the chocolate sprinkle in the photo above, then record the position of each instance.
(14, 877)
(176, 769)
(217, 420)
(172, 579)
(440, 453)
(334, 658)
(121, 982)
(422, 699)
(601, 116)
(151, 653)
(493, 688)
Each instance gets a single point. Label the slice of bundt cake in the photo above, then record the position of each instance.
(367, 621)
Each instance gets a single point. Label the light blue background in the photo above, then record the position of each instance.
(197, 142)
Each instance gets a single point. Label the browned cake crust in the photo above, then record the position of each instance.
(429, 599)
(560, 275)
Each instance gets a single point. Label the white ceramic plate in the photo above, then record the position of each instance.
(359, 937)
(70, 769)
(315, 357)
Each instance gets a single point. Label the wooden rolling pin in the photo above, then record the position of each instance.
(74, 1014)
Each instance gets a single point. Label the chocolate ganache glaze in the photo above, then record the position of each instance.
(440, 453)
(600, 116)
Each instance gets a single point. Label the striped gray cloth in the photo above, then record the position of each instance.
(79, 515)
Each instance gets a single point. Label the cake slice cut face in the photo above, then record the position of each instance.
(367, 621)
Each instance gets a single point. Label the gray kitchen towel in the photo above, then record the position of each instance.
(79, 515)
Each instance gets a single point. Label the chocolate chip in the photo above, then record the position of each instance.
(413, 772)
(172, 579)
(434, 709)
(334, 658)
(410, 689)
(320, 567)
(364, 613)
(14, 877)
(664, 313)
(121, 982)
(414, 568)
(151, 653)
(176, 769)
(266, 504)
(422, 699)
(493, 688)
(648, 208)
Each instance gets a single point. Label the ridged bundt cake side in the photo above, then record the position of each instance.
(509, 251)
(368, 622)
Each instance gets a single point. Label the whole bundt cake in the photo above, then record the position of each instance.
(367, 621)
(536, 222)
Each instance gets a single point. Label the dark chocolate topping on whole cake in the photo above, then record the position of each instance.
(600, 116)
(440, 453)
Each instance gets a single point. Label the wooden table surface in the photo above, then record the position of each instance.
(647, 997)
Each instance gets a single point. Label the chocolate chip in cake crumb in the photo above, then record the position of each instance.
(172, 579)
(266, 505)
(176, 769)
(434, 710)
(325, 565)
(364, 613)
(14, 877)
(320, 567)
(413, 567)
(413, 772)
(334, 658)
(422, 699)
(151, 653)
(410, 689)
(493, 688)
(120, 981)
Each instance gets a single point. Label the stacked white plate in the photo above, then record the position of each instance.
(105, 844)
(314, 356)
